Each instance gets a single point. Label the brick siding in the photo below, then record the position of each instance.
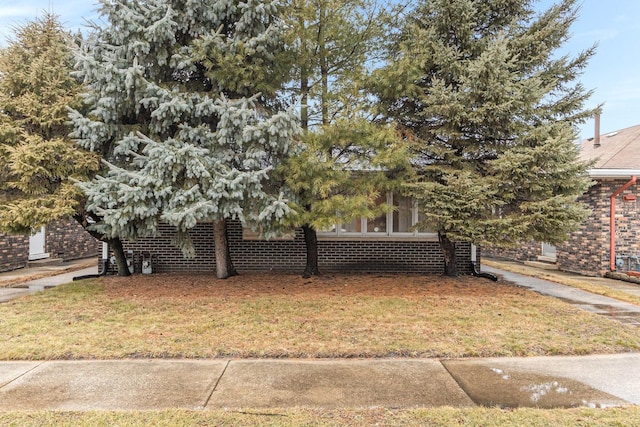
(528, 251)
(586, 250)
(68, 240)
(14, 251)
(63, 239)
(289, 255)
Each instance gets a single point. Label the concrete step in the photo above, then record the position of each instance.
(542, 265)
(45, 262)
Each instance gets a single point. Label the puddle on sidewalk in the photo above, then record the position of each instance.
(495, 387)
(615, 313)
(623, 316)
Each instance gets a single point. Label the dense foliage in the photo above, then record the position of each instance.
(488, 108)
(38, 161)
(181, 110)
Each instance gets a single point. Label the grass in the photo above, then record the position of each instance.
(305, 417)
(284, 316)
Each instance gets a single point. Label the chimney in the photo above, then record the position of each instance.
(596, 137)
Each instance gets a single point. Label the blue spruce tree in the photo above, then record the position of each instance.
(183, 109)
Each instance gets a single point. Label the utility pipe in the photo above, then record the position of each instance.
(612, 223)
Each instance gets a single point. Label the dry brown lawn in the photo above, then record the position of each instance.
(432, 417)
(283, 315)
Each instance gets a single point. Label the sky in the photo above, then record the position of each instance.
(613, 72)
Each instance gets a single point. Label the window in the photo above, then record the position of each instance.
(420, 217)
(403, 214)
(354, 226)
(397, 223)
(378, 224)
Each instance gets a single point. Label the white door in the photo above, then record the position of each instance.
(36, 245)
(548, 250)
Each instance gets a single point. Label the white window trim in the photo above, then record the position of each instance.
(388, 235)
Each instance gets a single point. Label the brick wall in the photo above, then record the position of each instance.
(587, 250)
(168, 257)
(63, 239)
(289, 255)
(528, 251)
(68, 240)
(14, 251)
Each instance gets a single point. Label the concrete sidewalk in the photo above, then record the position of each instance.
(544, 382)
(25, 281)
(615, 309)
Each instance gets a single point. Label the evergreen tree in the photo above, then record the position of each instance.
(38, 161)
(182, 107)
(488, 109)
(333, 42)
(340, 176)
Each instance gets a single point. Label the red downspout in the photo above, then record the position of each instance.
(612, 223)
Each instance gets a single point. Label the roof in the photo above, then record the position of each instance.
(618, 155)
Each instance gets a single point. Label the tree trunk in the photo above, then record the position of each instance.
(449, 251)
(121, 259)
(230, 268)
(311, 243)
(304, 77)
(115, 244)
(224, 265)
(324, 68)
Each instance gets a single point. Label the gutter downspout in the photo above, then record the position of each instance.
(612, 223)
(104, 265)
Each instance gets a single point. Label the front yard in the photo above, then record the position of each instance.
(280, 315)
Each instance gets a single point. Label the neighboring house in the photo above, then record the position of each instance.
(383, 244)
(64, 240)
(609, 240)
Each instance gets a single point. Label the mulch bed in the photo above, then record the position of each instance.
(187, 287)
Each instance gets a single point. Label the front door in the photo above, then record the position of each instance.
(36, 245)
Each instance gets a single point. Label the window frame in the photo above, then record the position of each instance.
(389, 234)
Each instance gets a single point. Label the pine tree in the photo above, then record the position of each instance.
(183, 110)
(488, 108)
(333, 43)
(340, 176)
(38, 161)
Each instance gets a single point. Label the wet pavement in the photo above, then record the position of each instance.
(550, 382)
(599, 304)
(26, 281)
(540, 382)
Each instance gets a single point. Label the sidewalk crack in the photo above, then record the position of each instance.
(455, 378)
(215, 386)
(20, 376)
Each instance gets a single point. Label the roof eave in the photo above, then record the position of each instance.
(613, 173)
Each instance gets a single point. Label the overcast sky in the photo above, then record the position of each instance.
(614, 72)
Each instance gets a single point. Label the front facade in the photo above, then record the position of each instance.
(609, 240)
(65, 240)
(384, 244)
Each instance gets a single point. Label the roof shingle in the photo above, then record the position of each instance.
(617, 150)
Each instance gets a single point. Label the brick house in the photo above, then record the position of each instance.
(65, 240)
(383, 244)
(609, 240)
